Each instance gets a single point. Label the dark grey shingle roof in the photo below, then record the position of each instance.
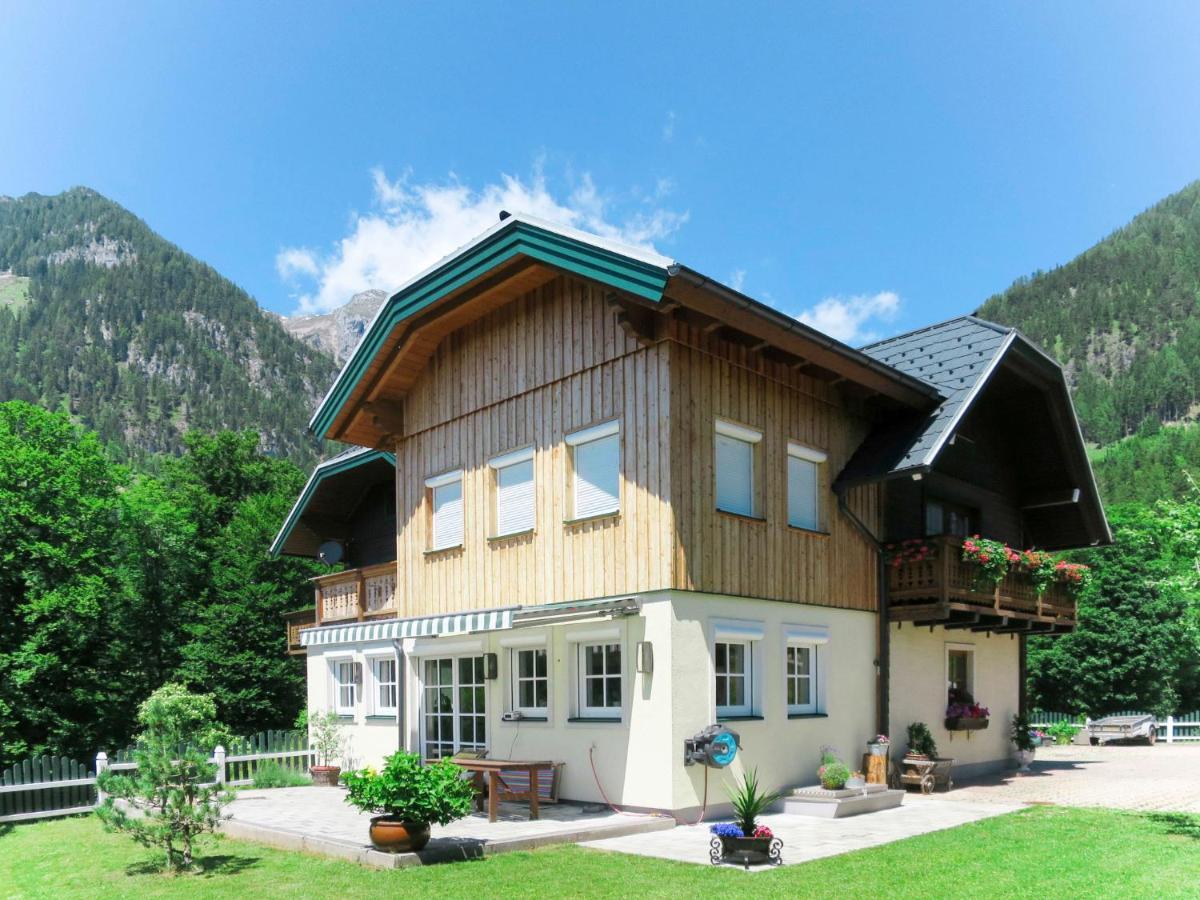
(956, 357)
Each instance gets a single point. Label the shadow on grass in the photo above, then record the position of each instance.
(5, 828)
(1180, 824)
(202, 866)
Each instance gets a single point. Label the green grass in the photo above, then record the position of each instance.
(14, 292)
(1044, 852)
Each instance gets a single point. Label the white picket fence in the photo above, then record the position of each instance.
(1171, 730)
(56, 786)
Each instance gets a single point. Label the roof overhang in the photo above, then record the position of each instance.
(327, 477)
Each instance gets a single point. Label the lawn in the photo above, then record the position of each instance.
(1043, 851)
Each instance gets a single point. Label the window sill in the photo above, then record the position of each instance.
(443, 551)
(596, 720)
(742, 517)
(808, 715)
(811, 532)
(511, 536)
(598, 517)
(741, 718)
(386, 717)
(342, 717)
(524, 719)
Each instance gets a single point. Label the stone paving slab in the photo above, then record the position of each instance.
(1165, 777)
(806, 838)
(318, 820)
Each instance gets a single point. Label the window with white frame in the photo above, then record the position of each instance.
(383, 673)
(595, 470)
(514, 509)
(736, 660)
(600, 680)
(804, 486)
(802, 668)
(345, 687)
(446, 510)
(735, 451)
(530, 681)
(960, 673)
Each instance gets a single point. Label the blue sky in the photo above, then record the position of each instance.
(897, 165)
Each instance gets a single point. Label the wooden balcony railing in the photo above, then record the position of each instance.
(357, 593)
(294, 621)
(943, 589)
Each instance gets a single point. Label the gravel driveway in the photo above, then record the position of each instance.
(1162, 777)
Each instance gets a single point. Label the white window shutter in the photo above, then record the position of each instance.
(447, 515)
(735, 475)
(802, 493)
(514, 498)
(597, 478)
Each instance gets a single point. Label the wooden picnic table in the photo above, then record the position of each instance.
(495, 770)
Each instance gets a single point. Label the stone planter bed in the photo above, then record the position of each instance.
(816, 801)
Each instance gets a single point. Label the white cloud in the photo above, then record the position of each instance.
(412, 226)
(737, 278)
(668, 131)
(847, 318)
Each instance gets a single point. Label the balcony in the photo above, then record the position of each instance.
(356, 594)
(941, 590)
(294, 622)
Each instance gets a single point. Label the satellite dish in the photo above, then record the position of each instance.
(331, 552)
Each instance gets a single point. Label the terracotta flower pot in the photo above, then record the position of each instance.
(325, 776)
(391, 835)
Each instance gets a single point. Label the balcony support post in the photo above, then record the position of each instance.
(361, 587)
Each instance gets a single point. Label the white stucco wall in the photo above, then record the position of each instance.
(918, 692)
(639, 760)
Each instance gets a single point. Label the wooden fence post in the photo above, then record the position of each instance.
(101, 768)
(1170, 729)
(219, 759)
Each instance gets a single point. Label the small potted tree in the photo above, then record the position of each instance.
(743, 840)
(409, 797)
(329, 742)
(1023, 739)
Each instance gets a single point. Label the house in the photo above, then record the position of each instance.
(631, 502)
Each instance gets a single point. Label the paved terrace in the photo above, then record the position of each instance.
(318, 820)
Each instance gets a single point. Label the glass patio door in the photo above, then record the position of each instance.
(453, 713)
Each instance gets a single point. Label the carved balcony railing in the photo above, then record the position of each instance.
(943, 590)
(365, 593)
(294, 622)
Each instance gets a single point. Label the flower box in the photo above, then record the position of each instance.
(745, 851)
(966, 723)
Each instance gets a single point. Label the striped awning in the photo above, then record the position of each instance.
(425, 626)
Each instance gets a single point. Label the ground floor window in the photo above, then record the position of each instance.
(733, 663)
(344, 687)
(383, 670)
(959, 674)
(600, 680)
(531, 682)
(454, 710)
(801, 677)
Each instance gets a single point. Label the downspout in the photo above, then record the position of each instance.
(401, 731)
(883, 633)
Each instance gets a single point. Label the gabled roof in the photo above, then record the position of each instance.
(956, 357)
(344, 463)
(519, 254)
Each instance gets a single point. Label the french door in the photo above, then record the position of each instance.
(453, 708)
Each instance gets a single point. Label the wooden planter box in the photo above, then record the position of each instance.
(966, 724)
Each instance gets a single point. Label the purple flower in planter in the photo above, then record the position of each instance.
(726, 829)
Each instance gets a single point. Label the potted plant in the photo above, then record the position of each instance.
(878, 746)
(991, 559)
(328, 741)
(964, 714)
(856, 781)
(1023, 739)
(744, 840)
(921, 744)
(409, 797)
(833, 773)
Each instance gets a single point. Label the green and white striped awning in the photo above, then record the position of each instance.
(425, 626)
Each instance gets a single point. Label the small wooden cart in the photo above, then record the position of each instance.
(925, 773)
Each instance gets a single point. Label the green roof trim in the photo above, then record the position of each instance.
(515, 237)
(343, 462)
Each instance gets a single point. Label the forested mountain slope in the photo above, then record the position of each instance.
(106, 320)
(1124, 319)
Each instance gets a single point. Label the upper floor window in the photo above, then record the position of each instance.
(514, 511)
(804, 486)
(446, 510)
(735, 452)
(943, 517)
(595, 470)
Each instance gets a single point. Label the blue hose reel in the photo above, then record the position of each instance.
(715, 747)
